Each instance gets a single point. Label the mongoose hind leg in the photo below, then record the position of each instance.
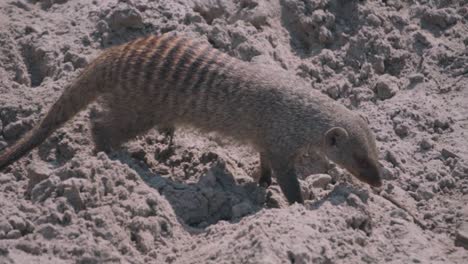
(286, 176)
(116, 127)
(265, 171)
(102, 135)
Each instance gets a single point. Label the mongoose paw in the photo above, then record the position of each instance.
(265, 181)
(97, 149)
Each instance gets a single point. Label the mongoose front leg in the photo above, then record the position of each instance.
(168, 131)
(102, 135)
(117, 126)
(265, 171)
(287, 179)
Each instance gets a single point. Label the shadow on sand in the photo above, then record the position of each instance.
(214, 197)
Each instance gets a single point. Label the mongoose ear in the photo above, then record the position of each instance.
(335, 136)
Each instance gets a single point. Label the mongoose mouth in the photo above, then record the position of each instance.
(369, 174)
(372, 180)
(375, 183)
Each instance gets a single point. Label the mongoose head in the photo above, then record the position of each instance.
(352, 146)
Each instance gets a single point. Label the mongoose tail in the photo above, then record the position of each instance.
(75, 97)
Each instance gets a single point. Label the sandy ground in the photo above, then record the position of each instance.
(402, 64)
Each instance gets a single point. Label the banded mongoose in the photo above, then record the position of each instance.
(170, 80)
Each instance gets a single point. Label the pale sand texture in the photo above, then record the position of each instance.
(403, 64)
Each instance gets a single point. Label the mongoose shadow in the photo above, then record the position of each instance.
(214, 197)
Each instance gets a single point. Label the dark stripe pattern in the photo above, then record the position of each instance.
(155, 60)
(136, 64)
(143, 56)
(208, 62)
(131, 60)
(195, 69)
(166, 68)
(125, 61)
(175, 73)
(121, 59)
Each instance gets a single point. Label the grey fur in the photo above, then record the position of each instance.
(171, 81)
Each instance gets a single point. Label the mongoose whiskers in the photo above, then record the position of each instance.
(167, 81)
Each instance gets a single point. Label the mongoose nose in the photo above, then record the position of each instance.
(378, 183)
(371, 175)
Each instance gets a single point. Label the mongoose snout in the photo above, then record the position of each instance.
(368, 171)
(168, 80)
(352, 146)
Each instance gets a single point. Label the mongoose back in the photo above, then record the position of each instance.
(169, 80)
